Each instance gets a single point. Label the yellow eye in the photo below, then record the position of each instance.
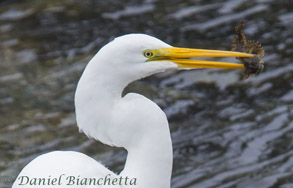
(148, 54)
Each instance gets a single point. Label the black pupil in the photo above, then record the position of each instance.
(148, 54)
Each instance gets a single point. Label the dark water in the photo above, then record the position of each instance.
(227, 132)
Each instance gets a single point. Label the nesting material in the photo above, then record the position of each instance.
(253, 65)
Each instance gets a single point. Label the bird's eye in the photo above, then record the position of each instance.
(148, 54)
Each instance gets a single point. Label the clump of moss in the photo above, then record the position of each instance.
(253, 65)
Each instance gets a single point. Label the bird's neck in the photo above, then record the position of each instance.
(95, 98)
(151, 162)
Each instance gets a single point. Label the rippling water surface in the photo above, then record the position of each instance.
(227, 132)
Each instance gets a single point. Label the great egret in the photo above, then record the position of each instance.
(132, 122)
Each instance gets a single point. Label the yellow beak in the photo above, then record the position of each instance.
(179, 55)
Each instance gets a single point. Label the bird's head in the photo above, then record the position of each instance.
(122, 61)
(136, 56)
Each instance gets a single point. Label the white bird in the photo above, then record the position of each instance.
(132, 122)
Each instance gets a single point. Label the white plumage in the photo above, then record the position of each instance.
(132, 122)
